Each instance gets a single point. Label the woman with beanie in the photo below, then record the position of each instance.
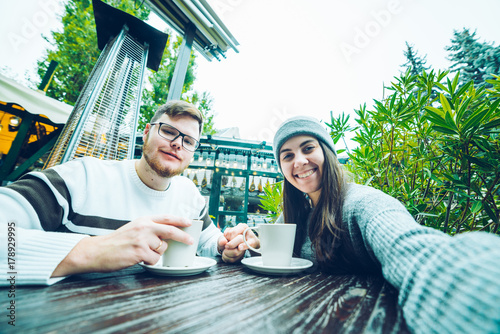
(446, 284)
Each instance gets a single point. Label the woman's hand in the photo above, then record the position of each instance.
(235, 247)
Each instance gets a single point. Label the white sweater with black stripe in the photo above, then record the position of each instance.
(47, 213)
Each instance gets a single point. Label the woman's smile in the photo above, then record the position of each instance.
(303, 175)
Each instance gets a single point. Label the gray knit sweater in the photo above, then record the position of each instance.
(446, 284)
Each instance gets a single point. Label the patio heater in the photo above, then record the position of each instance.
(103, 122)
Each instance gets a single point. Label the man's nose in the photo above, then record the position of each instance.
(177, 142)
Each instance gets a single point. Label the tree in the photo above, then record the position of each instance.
(414, 62)
(204, 104)
(160, 81)
(438, 153)
(475, 60)
(160, 84)
(75, 48)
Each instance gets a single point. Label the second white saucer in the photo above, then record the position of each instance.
(255, 263)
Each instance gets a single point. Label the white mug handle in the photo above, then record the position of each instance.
(245, 240)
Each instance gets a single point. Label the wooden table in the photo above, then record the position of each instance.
(225, 299)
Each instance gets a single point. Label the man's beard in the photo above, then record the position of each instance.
(155, 164)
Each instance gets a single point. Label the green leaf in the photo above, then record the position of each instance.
(427, 214)
(445, 129)
(476, 207)
(427, 172)
(480, 162)
(450, 122)
(435, 111)
(272, 199)
(393, 100)
(463, 107)
(421, 207)
(450, 177)
(463, 89)
(450, 88)
(492, 124)
(455, 82)
(476, 118)
(495, 105)
(435, 116)
(445, 103)
(441, 86)
(369, 180)
(490, 212)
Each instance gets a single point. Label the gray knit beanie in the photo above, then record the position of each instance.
(300, 125)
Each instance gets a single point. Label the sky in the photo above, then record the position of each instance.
(296, 57)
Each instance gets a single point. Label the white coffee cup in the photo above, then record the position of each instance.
(276, 243)
(179, 254)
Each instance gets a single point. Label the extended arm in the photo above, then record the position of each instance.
(447, 284)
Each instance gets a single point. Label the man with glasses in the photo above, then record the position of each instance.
(131, 208)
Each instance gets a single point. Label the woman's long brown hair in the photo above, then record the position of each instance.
(325, 229)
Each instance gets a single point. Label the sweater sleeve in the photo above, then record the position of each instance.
(209, 237)
(207, 246)
(29, 254)
(447, 284)
(34, 254)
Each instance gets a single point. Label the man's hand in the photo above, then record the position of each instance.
(234, 247)
(142, 240)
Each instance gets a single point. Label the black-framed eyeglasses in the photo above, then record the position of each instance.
(170, 133)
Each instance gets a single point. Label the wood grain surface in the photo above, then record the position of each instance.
(225, 299)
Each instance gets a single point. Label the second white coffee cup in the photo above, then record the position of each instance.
(179, 254)
(276, 243)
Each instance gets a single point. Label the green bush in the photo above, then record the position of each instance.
(434, 145)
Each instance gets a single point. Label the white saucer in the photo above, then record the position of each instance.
(200, 265)
(297, 265)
